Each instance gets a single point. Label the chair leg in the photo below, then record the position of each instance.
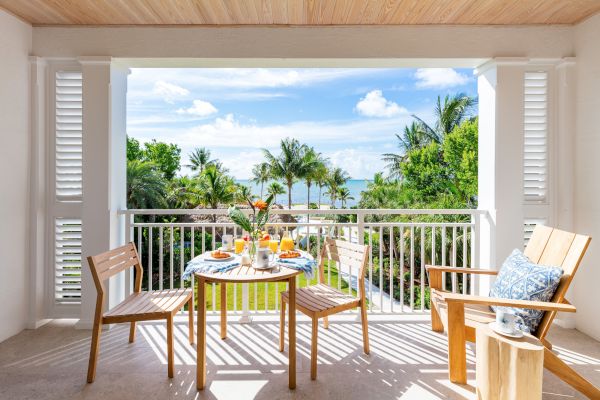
(191, 319)
(457, 352)
(170, 354)
(282, 326)
(365, 327)
(326, 322)
(132, 332)
(95, 348)
(313, 349)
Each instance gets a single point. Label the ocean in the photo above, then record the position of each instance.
(299, 192)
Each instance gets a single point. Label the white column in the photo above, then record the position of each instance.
(104, 172)
(38, 299)
(500, 88)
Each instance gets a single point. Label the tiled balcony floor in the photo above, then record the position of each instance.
(407, 361)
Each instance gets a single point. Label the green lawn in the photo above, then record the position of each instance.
(273, 290)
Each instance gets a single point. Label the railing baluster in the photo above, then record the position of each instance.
(192, 255)
(412, 268)
(391, 269)
(150, 258)
(370, 269)
(444, 255)
(160, 259)
(422, 277)
(381, 268)
(454, 258)
(181, 254)
(401, 268)
(171, 258)
(465, 277)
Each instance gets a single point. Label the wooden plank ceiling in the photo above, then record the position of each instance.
(301, 12)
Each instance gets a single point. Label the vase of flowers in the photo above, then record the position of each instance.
(253, 224)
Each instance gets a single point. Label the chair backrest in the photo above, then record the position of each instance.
(110, 263)
(553, 247)
(348, 254)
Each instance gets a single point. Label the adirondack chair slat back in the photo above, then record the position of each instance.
(347, 254)
(110, 263)
(555, 247)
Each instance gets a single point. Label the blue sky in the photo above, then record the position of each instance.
(350, 115)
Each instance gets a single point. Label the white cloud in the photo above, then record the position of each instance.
(200, 108)
(169, 92)
(358, 162)
(439, 78)
(375, 105)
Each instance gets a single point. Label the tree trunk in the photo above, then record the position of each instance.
(262, 183)
(308, 202)
(320, 188)
(289, 185)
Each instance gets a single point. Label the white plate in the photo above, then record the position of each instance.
(515, 334)
(208, 257)
(270, 266)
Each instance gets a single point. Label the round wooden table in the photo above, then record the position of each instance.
(243, 274)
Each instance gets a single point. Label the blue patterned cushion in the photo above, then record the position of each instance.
(521, 279)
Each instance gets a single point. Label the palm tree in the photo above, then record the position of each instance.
(216, 188)
(182, 192)
(344, 195)
(242, 193)
(145, 185)
(311, 159)
(261, 174)
(288, 165)
(448, 115)
(199, 159)
(337, 177)
(320, 174)
(413, 137)
(275, 189)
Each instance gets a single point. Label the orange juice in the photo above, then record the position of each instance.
(263, 243)
(239, 245)
(273, 245)
(287, 243)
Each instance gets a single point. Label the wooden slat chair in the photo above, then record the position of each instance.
(321, 300)
(460, 314)
(139, 306)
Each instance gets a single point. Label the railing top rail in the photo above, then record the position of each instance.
(303, 224)
(361, 211)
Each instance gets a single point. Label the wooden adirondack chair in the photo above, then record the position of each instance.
(460, 314)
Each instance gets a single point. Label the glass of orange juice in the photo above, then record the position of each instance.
(287, 243)
(273, 245)
(239, 245)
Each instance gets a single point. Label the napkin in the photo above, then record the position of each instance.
(198, 264)
(303, 264)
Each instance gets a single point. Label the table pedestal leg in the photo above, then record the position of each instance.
(292, 331)
(223, 310)
(201, 340)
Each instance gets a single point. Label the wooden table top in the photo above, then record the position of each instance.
(248, 274)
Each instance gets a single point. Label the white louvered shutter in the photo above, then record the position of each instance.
(65, 217)
(67, 261)
(535, 161)
(68, 142)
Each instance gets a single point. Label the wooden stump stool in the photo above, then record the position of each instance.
(507, 368)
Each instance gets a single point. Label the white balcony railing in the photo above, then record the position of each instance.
(396, 279)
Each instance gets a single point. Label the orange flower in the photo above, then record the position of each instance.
(259, 204)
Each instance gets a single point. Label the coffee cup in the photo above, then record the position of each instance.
(507, 321)
(264, 256)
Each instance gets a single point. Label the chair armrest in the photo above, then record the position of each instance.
(493, 301)
(432, 268)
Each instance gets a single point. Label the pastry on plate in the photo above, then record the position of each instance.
(289, 254)
(220, 254)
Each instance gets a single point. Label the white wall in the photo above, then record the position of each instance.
(15, 47)
(587, 168)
